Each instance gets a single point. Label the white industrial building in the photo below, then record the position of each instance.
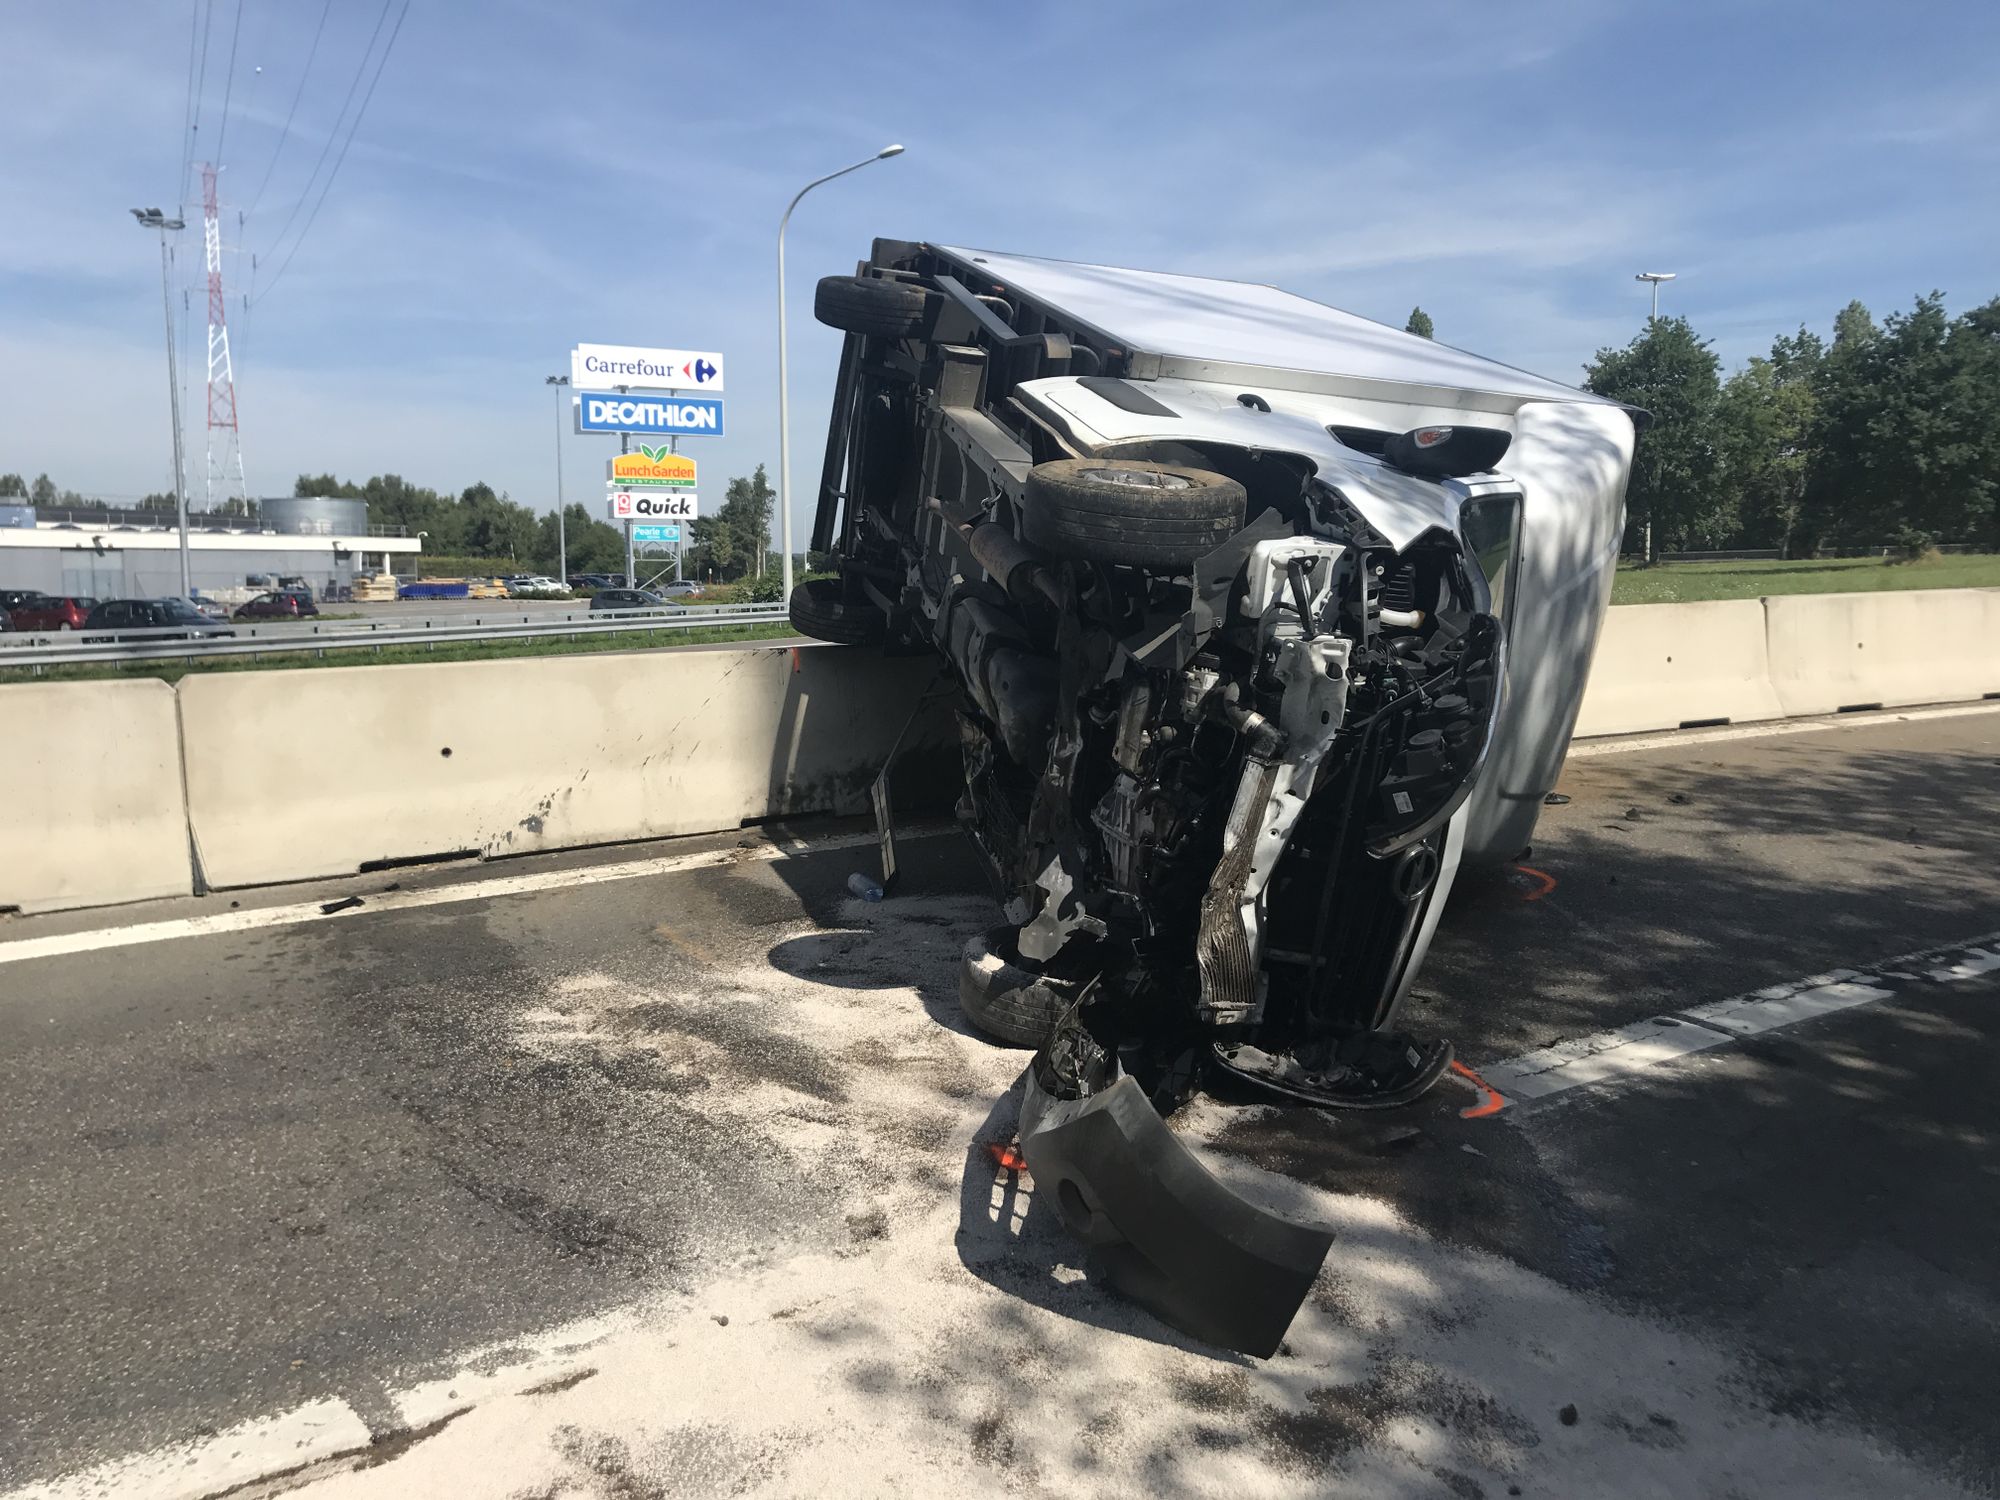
(135, 554)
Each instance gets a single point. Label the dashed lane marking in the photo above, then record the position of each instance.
(1534, 1078)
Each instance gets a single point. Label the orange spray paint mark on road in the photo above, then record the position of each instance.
(1491, 1102)
(1547, 882)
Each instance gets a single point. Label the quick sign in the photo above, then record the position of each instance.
(685, 416)
(650, 468)
(656, 535)
(599, 367)
(654, 505)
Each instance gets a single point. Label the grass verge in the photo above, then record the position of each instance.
(1679, 583)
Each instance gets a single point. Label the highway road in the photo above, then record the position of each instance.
(663, 1170)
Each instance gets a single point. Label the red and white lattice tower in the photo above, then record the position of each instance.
(225, 455)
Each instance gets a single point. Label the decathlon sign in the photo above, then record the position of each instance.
(604, 367)
(683, 416)
(654, 505)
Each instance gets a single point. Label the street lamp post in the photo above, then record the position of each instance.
(784, 408)
(562, 533)
(1656, 277)
(152, 218)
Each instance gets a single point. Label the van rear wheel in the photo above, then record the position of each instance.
(1120, 510)
(872, 306)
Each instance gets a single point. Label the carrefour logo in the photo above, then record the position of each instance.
(686, 416)
(610, 367)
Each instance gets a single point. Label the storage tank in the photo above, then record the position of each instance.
(314, 515)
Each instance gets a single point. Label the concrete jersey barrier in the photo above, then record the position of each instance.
(1830, 652)
(289, 775)
(319, 772)
(1666, 666)
(91, 777)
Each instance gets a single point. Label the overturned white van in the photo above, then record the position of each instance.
(1264, 617)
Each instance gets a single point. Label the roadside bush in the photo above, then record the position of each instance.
(1914, 545)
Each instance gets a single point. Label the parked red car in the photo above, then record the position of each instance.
(53, 612)
(282, 605)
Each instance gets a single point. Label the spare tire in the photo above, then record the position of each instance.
(819, 608)
(1121, 510)
(1003, 997)
(870, 305)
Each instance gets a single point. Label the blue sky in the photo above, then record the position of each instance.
(529, 175)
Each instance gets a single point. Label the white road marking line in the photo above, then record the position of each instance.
(1679, 738)
(1767, 1012)
(250, 1451)
(58, 945)
(1592, 1059)
(322, 1430)
(1535, 1077)
(549, 1357)
(1976, 961)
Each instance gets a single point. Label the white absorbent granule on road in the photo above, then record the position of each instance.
(939, 1332)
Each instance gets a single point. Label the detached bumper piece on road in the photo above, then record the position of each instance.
(1160, 1227)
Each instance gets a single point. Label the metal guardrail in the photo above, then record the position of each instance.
(40, 649)
(1775, 554)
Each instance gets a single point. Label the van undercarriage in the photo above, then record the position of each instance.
(1226, 672)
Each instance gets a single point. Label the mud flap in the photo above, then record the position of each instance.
(881, 796)
(1165, 1232)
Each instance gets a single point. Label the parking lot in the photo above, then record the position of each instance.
(665, 1170)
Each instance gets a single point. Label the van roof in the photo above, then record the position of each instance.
(1206, 328)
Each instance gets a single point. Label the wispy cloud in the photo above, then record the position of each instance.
(529, 175)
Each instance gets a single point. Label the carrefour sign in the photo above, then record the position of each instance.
(651, 468)
(684, 416)
(600, 367)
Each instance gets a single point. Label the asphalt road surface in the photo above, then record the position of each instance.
(672, 1178)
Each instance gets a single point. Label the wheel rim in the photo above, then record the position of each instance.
(1137, 479)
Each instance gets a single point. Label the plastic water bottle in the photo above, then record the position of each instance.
(862, 886)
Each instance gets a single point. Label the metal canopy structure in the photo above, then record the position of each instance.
(1205, 328)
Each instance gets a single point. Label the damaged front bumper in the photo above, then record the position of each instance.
(1162, 1229)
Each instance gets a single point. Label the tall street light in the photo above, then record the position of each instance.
(562, 535)
(152, 218)
(1656, 277)
(784, 409)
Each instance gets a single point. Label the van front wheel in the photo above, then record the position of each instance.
(1121, 510)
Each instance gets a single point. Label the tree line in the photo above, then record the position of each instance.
(43, 492)
(1886, 433)
(478, 522)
